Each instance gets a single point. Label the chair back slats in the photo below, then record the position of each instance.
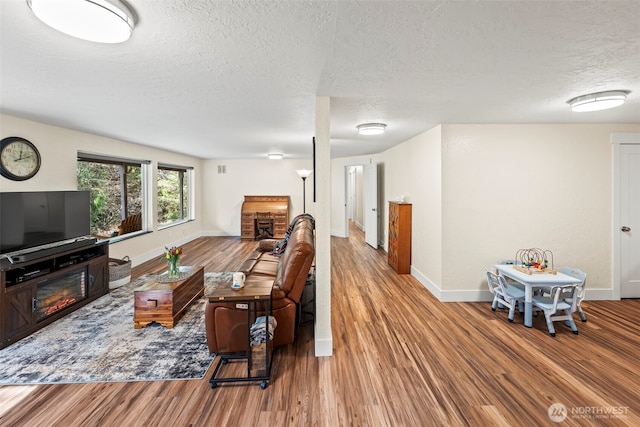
(503, 294)
(582, 276)
(563, 294)
(559, 304)
(574, 272)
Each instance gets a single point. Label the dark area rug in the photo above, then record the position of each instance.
(97, 343)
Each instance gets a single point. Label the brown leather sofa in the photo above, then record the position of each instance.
(226, 324)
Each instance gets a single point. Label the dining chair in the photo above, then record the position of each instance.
(578, 274)
(504, 294)
(559, 299)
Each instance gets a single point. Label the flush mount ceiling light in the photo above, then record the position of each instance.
(102, 21)
(275, 156)
(371, 128)
(598, 101)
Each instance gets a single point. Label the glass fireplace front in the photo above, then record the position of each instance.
(56, 294)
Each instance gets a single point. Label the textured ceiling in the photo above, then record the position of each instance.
(222, 79)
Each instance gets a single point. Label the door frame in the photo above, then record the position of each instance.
(370, 191)
(350, 189)
(617, 139)
(345, 213)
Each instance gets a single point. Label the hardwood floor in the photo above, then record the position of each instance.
(401, 358)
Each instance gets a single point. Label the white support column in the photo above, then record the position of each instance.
(323, 334)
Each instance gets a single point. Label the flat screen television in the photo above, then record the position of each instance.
(32, 219)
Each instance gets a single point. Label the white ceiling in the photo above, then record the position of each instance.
(222, 79)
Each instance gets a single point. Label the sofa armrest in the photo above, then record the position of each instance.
(266, 245)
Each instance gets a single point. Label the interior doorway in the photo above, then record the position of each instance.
(355, 196)
(626, 222)
(361, 207)
(630, 221)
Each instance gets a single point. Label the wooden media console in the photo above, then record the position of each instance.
(49, 284)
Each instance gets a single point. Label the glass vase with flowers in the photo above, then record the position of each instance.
(173, 259)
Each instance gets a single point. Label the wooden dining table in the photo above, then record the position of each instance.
(533, 281)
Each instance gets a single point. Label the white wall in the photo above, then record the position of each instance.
(59, 148)
(414, 170)
(323, 334)
(223, 193)
(507, 187)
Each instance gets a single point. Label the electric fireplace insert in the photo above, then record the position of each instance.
(56, 294)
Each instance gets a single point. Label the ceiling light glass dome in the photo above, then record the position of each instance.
(102, 21)
(598, 101)
(371, 128)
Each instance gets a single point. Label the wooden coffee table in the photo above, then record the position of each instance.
(164, 302)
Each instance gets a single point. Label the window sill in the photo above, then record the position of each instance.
(173, 224)
(127, 236)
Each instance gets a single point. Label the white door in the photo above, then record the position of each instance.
(371, 204)
(630, 221)
(351, 191)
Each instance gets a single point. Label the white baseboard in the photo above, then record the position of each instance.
(324, 347)
(338, 233)
(157, 252)
(467, 295)
(479, 295)
(599, 294)
(218, 234)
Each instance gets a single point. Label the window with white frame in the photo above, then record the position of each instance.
(117, 193)
(173, 201)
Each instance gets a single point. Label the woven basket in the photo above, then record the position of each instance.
(119, 272)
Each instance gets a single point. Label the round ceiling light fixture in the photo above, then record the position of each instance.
(275, 156)
(102, 21)
(371, 128)
(598, 101)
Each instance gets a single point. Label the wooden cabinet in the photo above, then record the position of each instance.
(264, 217)
(17, 311)
(37, 292)
(399, 243)
(98, 278)
(280, 224)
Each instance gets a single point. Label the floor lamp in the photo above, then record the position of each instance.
(304, 174)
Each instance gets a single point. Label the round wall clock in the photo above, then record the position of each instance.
(19, 158)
